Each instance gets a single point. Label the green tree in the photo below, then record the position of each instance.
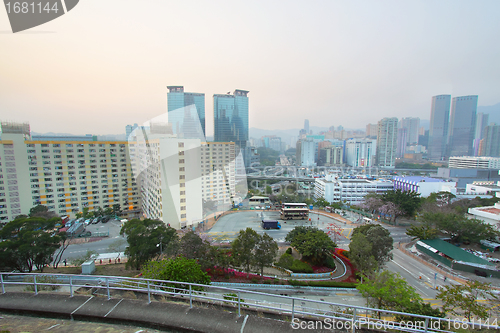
(265, 252)
(177, 269)
(424, 231)
(243, 248)
(361, 255)
(316, 245)
(389, 291)
(116, 209)
(38, 209)
(146, 240)
(29, 243)
(269, 190)
(380, 239)
(298, 230)
(321, 202)
(465, 297)
(407, 201)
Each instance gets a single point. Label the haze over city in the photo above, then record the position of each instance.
(107, 64)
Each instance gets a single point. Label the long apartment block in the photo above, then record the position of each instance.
(66, 176)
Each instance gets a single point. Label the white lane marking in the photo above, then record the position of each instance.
(78, 308)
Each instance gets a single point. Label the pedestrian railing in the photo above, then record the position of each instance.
(302, 312)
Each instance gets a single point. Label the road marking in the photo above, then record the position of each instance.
(78, 308)
(113, 308)
(244, 323)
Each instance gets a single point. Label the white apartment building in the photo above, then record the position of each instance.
(66, 176)
(175, 176)
(360, 152)
(474, 162)
(352, 191)
(387, 142)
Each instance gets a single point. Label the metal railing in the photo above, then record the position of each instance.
(298, 309)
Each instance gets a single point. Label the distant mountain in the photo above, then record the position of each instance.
(493, 111)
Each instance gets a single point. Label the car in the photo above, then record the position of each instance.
(95, 221)
(87, 222)
(257, 207)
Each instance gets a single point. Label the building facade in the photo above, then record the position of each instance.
(438, 131)
(65, 176)
(412, 126)
(352, 191)
(186, 113)
(474, 162)
(424, 185)
(231, 118)
(387, 140)
(360, 152)
(462, 126)
(306, 153)
(490, 143)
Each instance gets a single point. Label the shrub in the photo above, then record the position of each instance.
(300, 267)
(289, 250)
(254, 280)
(234, 297)
(330, 262)
(286, 261)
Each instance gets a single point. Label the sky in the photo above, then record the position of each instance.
(106, 63)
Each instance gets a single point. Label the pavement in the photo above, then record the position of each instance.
(170, 316)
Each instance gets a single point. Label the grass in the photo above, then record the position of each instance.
(110, 269)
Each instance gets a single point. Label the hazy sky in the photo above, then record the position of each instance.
(107, 63)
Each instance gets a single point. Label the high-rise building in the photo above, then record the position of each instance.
(491, 141)
(481, 123)
(412, 126)
(331, 156)
(462, 125)
(306, 126)
(231, 118)
(360, 152)
(186, 113)
(305, 153)
(387, 140)
(129, 129)
(64, 175)
(438, 131)
(371, 130)
(402, 141)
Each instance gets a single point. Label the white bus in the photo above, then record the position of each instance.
(294, 211)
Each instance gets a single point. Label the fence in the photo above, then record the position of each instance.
(298, 309)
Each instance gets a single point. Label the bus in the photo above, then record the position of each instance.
(294, 211)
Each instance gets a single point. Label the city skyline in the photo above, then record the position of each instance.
(361, 63)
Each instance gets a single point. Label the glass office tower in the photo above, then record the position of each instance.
(438, 130)
(231, 117)
(186, 113)
(462, 126)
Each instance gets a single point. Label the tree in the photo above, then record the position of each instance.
(321, 202)
(465, 297)
(146, 239)
(372, 202)
(407, 201)
(85, 257)
(178, 269)
(28, 243)
(316, 245)
(116, 209)
(116, 247)
(422, 232)
(265, 252)
(298, 230)
(243, 248)
(380, 239)
(361, 256)
(392, 210)
(38, 209)
(389, 291)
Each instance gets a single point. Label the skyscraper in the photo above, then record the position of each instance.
(306, 126)
(481, 123)
(186, 113)
(462, 126)
(231, 118)
(412, 126)
(387, 140)
(438, 132)
(490, 145)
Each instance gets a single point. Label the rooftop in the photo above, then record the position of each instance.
(418, 179)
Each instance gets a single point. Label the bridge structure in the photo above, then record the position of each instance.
(157, 301)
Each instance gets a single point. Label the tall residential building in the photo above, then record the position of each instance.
(331, 156)
(360, 152)
(387, 140)
(412, 126)
(462, 125)
(129, 129)
(305, 153)
(186, 113)
(372, 130)
(490, 144)
(481, 123)
(231, 118)
(438, 132)
(66, 176)
(402, 141)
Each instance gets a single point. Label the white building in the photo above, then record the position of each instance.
(351, 191)
(65, 176)
(306, 153)
(424, 185)
(482, 188)
(360, 152)
(489, 214)
(387, 139)
(474, 162)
